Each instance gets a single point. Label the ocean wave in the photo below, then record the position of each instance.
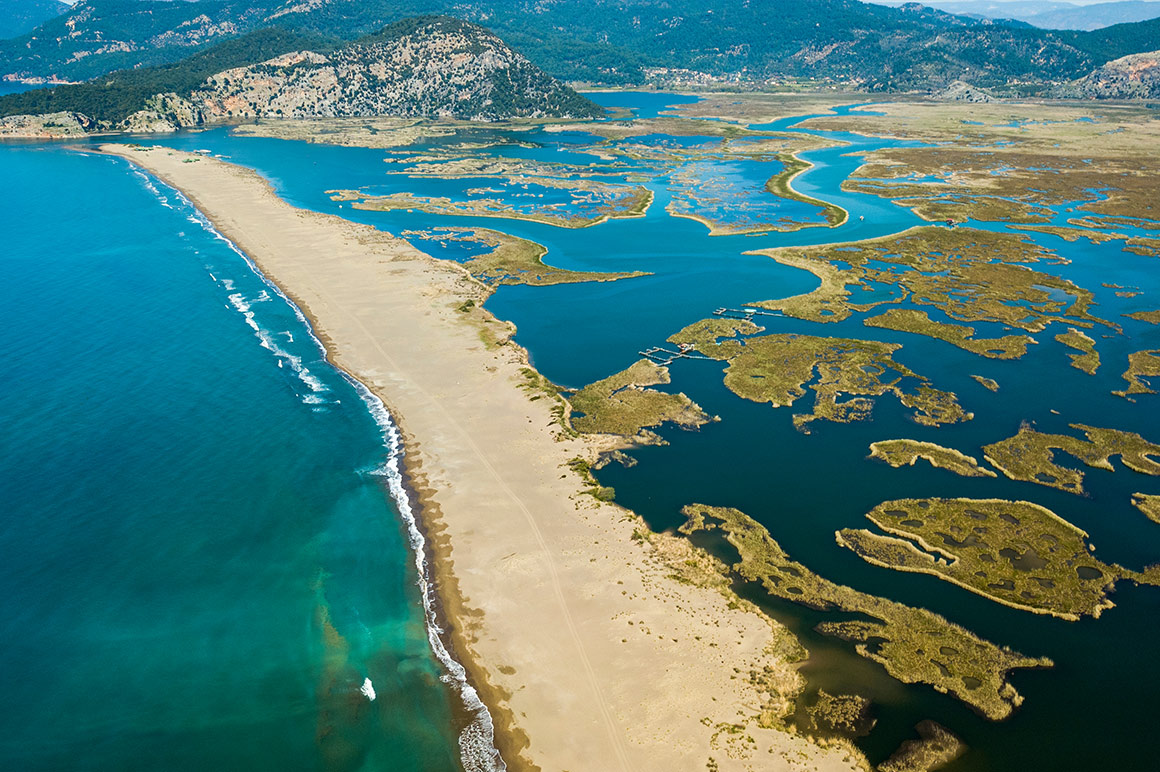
(147, 183)
(267, 341)
(477, 740)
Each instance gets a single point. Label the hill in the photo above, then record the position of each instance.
(1136, 76)
(433, 67)
(612, 41)
(20, 16)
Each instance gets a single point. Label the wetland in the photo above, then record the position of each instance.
(692, 228)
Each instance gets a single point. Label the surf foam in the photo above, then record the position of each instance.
(477, 740)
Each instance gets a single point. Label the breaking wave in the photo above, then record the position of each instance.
(477, 740)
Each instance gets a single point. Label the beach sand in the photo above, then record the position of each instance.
(587, 652)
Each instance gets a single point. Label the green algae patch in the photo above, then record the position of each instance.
(920, 323)
(987, 383)
(935, 747)
(1029, 456)
(844, 374)
(1088, 359)
(512, 260)
(1141, 365)
(914, 645)
(1149, 504)
(1013, 552)
(970, 275)
(623, 405)
(899, 453)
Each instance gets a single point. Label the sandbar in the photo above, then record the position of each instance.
(586, 650)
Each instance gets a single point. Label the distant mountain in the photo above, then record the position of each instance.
(431, 67)
(20, 16)
(1090, 17)
(1136, 76)
(1051, 15)
(610, 41)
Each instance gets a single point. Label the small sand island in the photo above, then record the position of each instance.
(586, 648)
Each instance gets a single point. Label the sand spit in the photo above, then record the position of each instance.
(588, 653)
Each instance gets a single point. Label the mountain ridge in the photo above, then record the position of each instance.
(614, 41)
(429, 67)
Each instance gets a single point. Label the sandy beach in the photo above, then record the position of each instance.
(589, 654)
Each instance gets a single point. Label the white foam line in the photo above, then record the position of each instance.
(147, 182)
(477, 740)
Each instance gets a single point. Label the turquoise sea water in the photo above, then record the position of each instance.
(1083, 714)
(201, 563)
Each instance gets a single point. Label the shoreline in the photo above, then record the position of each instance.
(524, 592)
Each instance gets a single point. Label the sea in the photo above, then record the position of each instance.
(210, 561)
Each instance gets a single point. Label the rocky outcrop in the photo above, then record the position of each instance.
(1131, 77)
(163, 113)
(429, 68)
(961, 91)
(51, 126)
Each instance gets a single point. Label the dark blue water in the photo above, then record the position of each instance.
(201, 565)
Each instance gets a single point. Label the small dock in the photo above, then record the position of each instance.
(664, 357)
(745, 314)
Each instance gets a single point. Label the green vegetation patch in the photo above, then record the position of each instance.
(1149, 504)
(845, 715)
(936, 747)
(920, 323)
(513, 260)
(1141, 365)
(987, 383)
(1151, 317)
(621, 404)
(1088, 359)
(1013, 552)
(906, 452)
(778, 369)
(706, 335)
(970, 275)
(623, 201)
(914, 645)
(1030, 455)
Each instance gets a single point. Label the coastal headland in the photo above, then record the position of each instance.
(588, 651)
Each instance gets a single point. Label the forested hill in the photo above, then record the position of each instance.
(431, 67)
(611, 41)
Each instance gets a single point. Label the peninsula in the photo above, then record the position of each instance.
(588, 651)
